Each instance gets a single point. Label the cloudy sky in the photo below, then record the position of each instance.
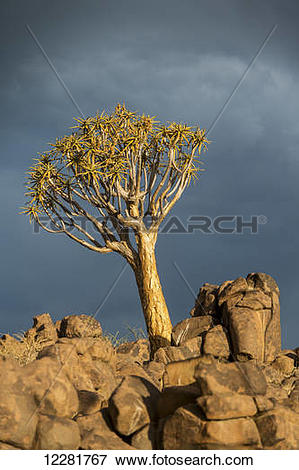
(177, 61)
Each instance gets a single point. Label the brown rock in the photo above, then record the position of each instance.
(172, 398)
(155, 371)
(191, 348)
(232, 291)
(90, 402)
(18, 417)
(183, 372)
(80, 326)
(251, 313)
(279, 428)
(96, 434)
(190, 327)
(138, 350)
(5, 446)
(263, 403)
(272, 335)
(132, 405)
(47, 382)
(226, 406)
(57, 433)
(246, 328)
(216, 342)
(183, 429)
(145, 438)
(11, 372)
(44, 328)
(206, 302)
(239, 433)
(81, 364)
(186, 429)
(222, 378)
(127, 366)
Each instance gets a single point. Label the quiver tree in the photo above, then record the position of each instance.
(120, 174)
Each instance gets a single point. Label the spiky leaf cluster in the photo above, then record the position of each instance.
(122, 164)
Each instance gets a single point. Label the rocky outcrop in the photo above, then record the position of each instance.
(223, 383)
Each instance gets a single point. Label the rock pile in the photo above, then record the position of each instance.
(224, 383)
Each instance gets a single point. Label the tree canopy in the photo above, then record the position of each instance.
(119, 168)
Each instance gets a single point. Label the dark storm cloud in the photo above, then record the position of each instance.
(178, 61)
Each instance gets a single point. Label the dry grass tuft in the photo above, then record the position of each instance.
(21, 347)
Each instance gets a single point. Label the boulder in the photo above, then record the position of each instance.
(74, 326)
(96, 434)
(172, 398)
(90, 402)
(48, 383)
(220, 407)
(43, 329)
(216, 342)
(88, 363)
(145, 438)
(18, 417)
(190, 348)
(222, 378)
(190, 327)
(183, 372)
(187, 429)
(239, 434)
(54, 432)
(206, 302)
(132, 405)
(250, 311)
(183, 429)
(138, 350)
(279, 429)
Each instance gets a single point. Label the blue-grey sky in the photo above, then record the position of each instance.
(177, 61)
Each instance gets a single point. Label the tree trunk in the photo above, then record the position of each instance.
(151, 295)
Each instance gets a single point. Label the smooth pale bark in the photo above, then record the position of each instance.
(151, 295)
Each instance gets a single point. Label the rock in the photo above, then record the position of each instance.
(183, 429)
(182, 372)
(172, 398)
(263, 403)
(186, 429)
(80, 358)
(90, 402)
(145, 438)
(132, 405)
(250, 311)
(138, 350)
(191, 348)
(96, 434)
(216, 342)
(155, 371)
(239, 433)
(272, 335)
(4, 446)
(190, 327)
(18, 417)
(11, 372)
(127, 366)
(222, 378)
(206, 302)
(47, 382)
(279, 429)
(54, 432)
(230, 292)
(44, 329)
(226, 406)
(79, 326)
